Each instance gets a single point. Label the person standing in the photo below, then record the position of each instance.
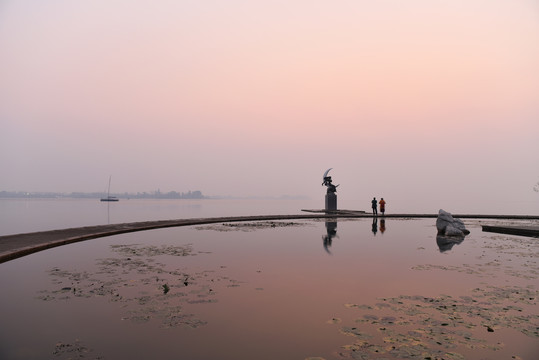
(374, 207)
(382, 206)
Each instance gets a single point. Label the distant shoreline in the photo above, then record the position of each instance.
(190, 195)
(98, 195)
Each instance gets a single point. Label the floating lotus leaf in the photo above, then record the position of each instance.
(74, 350)
(250, 226)
(353, 331)
(356, 306)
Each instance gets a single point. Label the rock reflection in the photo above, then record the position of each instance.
(331, 232)
(445, 243)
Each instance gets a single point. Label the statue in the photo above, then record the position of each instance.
(331, 197)
(327, 182)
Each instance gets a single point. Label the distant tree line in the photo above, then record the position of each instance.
(169, 195)
(96, 195)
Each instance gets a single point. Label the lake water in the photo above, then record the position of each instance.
(305, 289)
(28, 215)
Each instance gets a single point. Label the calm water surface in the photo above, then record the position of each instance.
(28, 215)
(281, 290)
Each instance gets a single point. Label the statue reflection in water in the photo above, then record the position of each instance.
(331, 232)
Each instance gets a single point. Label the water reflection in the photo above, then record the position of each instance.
(374, 225)
(109, 204)
(172, 291)
(108, 212)
(331, 232)
(445, 243)
(382, 225)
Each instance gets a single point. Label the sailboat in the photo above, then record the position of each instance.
(110, 198)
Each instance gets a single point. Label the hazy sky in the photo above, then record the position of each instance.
(409, 100)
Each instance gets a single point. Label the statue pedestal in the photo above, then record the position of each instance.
(331, 202)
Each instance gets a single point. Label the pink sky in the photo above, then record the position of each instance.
(405, 100)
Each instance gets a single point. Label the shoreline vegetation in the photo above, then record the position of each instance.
(154, 195)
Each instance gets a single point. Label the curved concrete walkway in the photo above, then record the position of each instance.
(19, 245)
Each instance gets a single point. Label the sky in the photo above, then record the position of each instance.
(420, 101)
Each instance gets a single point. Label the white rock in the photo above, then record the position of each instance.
(460, 225)
(448, 226)
(451, 230)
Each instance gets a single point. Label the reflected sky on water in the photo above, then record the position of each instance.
(274, 290)
(29, 215)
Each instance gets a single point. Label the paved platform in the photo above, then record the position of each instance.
(532, 231)
(18, 245)
(358, 213)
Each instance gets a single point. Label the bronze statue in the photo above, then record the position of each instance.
(327, 182)
(331, 197)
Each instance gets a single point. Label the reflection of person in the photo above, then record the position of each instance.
(382, 206)
(382, 225)
(374, 225)
(374, 206)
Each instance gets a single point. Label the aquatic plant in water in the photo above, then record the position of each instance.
(146, 288)
(437, 327)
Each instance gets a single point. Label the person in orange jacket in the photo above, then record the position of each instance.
(382, 206)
